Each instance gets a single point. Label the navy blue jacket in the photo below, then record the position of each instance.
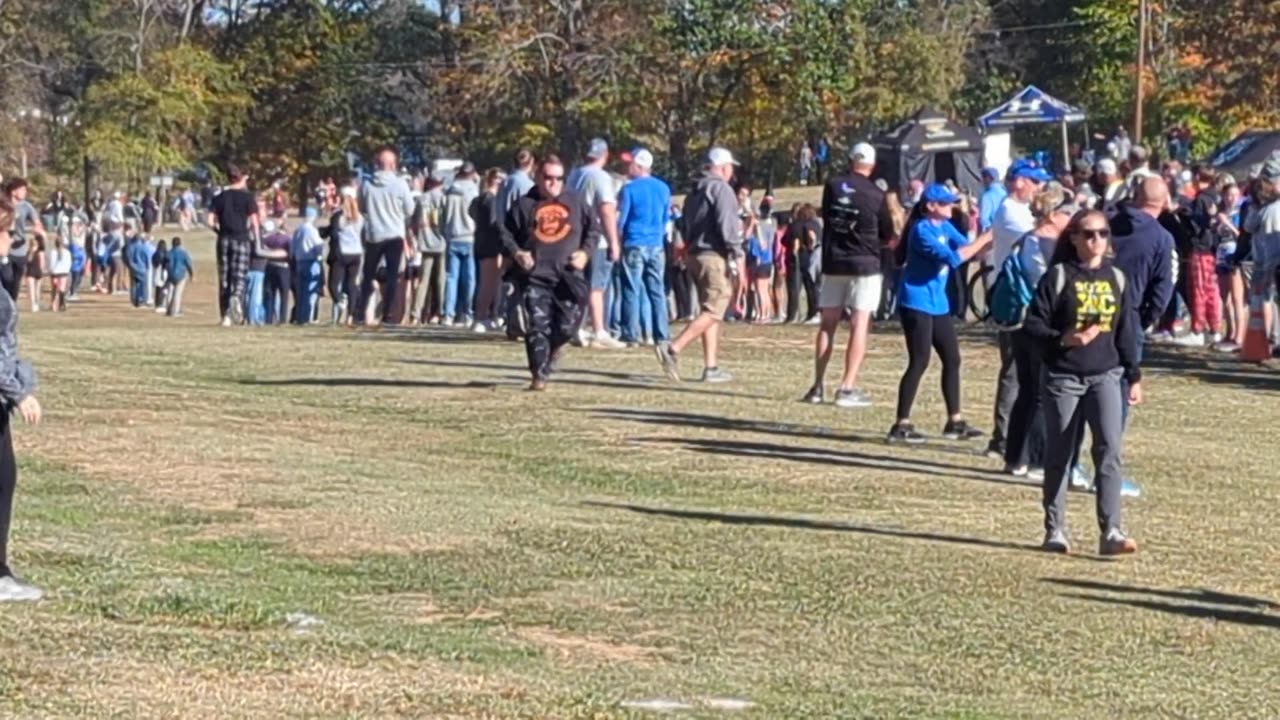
(1144, 252)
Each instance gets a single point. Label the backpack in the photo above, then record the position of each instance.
(1012, 294)
(760, 250)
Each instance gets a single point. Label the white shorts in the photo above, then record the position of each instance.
(851, 292)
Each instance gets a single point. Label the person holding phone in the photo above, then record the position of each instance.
(1085, 326)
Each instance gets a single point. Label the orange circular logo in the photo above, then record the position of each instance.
(551, 223)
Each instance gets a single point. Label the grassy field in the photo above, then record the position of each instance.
(323, 523)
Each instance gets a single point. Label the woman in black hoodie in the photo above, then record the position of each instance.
(1086, 327)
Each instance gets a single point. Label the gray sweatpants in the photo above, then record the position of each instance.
(1006, 391)
(1070, 400)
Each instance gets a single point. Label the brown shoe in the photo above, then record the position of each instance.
(1117, 543)
(538, 385)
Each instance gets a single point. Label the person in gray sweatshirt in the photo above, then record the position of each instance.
(458, 225)
(387, 206)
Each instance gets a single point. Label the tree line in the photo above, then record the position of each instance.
(292, 87)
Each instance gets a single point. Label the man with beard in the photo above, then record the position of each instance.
(547, 234)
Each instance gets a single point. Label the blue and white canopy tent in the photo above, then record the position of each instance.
(1033, 106)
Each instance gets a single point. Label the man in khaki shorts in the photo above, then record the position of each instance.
(856, 224)
(713, 246)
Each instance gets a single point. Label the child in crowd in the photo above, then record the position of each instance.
(78, 240)
(35, 273)
(59, 273)
(159, 271)
(179, 272)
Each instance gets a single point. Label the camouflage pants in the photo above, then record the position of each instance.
(553, 315)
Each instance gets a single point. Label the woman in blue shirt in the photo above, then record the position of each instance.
(934, 249)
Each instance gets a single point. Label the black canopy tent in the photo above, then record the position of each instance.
(1245, 152)
(930, 147)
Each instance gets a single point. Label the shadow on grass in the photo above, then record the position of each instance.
(656, 384)
(815, 525)
(521, 368)
(432, 335)
(376, 382)
(667, 418)
(1198, 595)
(1228, 372)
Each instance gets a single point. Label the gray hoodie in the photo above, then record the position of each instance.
(456, 222)
(711, 221)
(387, 205)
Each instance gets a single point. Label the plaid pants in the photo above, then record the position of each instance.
(233, 273)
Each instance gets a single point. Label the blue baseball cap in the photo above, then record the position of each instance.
(991, 172)
(1029, 169)
(938, 193)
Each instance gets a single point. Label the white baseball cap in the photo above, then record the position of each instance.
(642, 159)
(720, 156)
(863, 153)
(1107, 166)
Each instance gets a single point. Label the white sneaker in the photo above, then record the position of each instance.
(14, 590)
(605, 341)
(584, 338)
(226, 322)
(446, 322)
(1215, 338)
(480, 328)
(1190, 340)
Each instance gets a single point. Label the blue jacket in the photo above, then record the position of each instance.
(931, 256)
(1144, 253)
(137, 256)
(179, 264)
(643, 207)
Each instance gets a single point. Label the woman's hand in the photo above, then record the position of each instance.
(1135, 393)
(31, 410)
(1080, 338)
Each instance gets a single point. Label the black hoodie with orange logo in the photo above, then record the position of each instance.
(551, 229)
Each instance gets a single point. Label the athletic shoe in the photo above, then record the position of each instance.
(1055, 541)
(995, 450)
(226, 322)
(605, 341)
(538, 385)
(479, 328)
(667, 358)
(1227, 346)
(816, 395)
(905, 434)
(716, 376)
(14, 590)
(1116, 543)
(853, 398)
(1081, 480)
(813, 320)
(1190, 340)
(1036, 474)
(446, 322)
(961, 430)
(159, 310)
(1129, 488)
(582, 338)
(1016, 470)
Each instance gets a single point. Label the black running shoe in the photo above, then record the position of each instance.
(961, 430)
(815, 396)
(905, 434)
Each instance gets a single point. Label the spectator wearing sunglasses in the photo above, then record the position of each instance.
(1085, 321)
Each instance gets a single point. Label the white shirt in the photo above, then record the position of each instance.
(1012, 221)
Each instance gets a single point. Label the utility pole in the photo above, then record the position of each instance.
(1142, 68)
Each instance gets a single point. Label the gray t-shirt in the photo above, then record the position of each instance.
(24, 218)
(597, 188)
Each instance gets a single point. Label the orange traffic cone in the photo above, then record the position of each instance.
(1257, 346)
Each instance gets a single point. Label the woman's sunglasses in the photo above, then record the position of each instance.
(1093, 234)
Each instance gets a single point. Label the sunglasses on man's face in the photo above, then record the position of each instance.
(1095, 233)
(553, 178)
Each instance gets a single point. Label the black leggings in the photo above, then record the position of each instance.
(923, 330)
(277, 286)
(344, 279)
(8, 480)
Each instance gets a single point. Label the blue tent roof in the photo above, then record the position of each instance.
(1032, 106)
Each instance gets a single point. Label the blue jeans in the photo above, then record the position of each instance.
(138, 292)
(257, 309)
(460, 280)
(306, 290)
(644, 294)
